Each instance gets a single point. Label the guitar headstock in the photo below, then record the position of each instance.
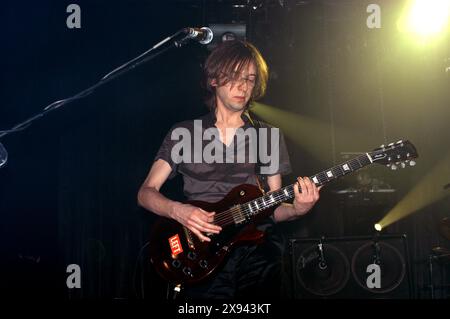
(395, 155)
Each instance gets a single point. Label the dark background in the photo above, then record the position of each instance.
(68, 192)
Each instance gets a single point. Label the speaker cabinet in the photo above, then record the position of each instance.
(351, 267)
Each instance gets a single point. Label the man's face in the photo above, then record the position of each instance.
(235, 94)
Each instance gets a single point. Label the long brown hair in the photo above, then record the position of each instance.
(232, 57)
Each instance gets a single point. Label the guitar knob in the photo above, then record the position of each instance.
(393, 167)
(191, 255)
(176, 263)
(187, 271)
(203, 263)
(403, 165)
(412, 163)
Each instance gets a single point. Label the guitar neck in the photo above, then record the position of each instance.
(286, 193)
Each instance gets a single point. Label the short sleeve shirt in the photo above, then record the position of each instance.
(210, 169)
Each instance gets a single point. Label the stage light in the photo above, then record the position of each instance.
(425, 18)
(378, 227)
(429, 190)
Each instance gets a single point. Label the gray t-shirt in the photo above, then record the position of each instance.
(211, 181)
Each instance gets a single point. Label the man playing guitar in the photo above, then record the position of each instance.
(235, 75)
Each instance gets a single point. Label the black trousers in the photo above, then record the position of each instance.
(250, 272)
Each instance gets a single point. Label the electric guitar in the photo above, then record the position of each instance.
(181, 258)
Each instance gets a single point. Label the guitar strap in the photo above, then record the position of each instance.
(261, 180)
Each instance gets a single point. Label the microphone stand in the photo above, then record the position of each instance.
(124, 68)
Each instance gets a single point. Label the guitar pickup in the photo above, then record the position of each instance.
(238, 217)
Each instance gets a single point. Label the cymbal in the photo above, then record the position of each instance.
(444, 227)
(442, 253)
(441, 250)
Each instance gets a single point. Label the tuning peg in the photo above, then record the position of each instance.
(412, 163)
(400, 142)
(403, 165)
(393, 167)
(382, 146)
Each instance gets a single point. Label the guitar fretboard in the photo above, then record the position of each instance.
(244, 212)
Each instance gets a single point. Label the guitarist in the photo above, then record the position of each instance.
(235, 75)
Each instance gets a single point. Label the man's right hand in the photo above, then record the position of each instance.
(195, 219)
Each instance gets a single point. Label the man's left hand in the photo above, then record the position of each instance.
(308, 196)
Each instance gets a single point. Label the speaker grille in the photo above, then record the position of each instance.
(351, 267)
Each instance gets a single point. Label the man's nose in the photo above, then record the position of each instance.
(243, 85)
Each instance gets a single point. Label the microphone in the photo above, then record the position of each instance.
(202, 35)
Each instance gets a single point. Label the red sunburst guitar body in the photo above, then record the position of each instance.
(180, 257)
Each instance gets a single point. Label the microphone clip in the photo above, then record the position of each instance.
(203, 35)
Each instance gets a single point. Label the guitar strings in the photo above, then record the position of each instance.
(224, 218)
(275, 197)
(245, 210)
(227, 217)
(279, 194)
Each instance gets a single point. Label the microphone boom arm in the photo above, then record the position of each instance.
(124, 68)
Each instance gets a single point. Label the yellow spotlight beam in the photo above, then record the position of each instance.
(428, 191)
(306, 132)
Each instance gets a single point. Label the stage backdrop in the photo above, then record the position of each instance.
(68, 193)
